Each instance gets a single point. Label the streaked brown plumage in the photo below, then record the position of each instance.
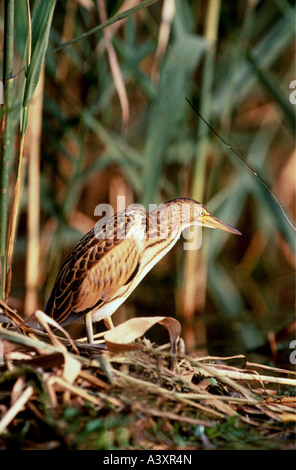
(110, 260)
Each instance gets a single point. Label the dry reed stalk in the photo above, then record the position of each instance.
(106, 381)
(115, 69)
(172, 416)
(16, 408)
(193, 294)
(113, 28)
(33, 140)
(125, 379)
(167, 16)
(56, 383)
(247, 376)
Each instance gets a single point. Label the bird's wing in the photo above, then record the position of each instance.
(92, 273)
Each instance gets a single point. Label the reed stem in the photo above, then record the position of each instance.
(195, 262)
(7, 133)
(33, 245)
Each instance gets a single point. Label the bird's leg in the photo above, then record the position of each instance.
(109, 323)
(89, 327)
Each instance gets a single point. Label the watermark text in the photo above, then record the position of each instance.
(162, 222)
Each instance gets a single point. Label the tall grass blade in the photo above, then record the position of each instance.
(265, 53)
(7, 134)
(276, 93)
(38, 34)
(41, 24)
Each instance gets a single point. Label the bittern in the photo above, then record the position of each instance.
(112, 258)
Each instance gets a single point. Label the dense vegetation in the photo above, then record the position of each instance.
(94, 108)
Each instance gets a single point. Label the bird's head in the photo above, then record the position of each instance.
(206, 219)
(192, 212)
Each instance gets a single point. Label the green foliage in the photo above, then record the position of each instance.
(167, 107)
(41, 25)
(88, 432)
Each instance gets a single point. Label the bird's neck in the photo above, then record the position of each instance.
(167, 222)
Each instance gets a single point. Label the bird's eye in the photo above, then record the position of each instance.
(201, 213)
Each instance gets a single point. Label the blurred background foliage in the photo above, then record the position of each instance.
(109, 118)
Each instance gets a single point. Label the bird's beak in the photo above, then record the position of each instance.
(210, 221)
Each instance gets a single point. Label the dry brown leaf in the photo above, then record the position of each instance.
(45, 361)
(71, 368)
(45, 320)
(122, 336)
(71, 365)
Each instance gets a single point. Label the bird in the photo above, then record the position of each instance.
(112, 259)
